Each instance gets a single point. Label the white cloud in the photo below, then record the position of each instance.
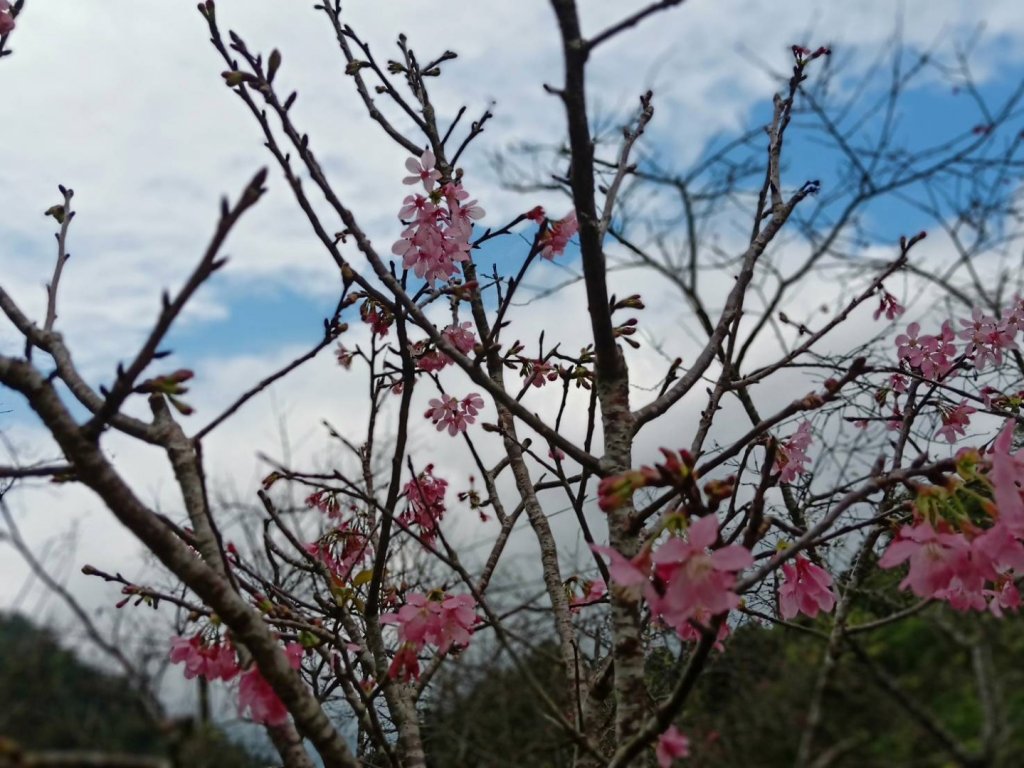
(122, 100)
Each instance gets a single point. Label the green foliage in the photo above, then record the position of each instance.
(491, 717)
(50, 700)
(751, 704)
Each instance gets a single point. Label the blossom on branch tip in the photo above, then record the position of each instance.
(955, 421)
(425, 496)
(672, 744)
(539, 372)
(554, 241)
(536, 214)
(452, 414)
(935, 558)
(1006, 475)
(695, 577)
(690, 633)
(683, 579)
(256, 695)
(444, 621)
(806, 589)
(422, 170)
(405, 665)
(791, 458)
(888, 304)
(212, 661)
(438, 228)
(341, 550)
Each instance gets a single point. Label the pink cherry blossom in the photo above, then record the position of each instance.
(536, 214)
(682, 580)
(432, 361)
(456, 623)
(1005, 598)
(888, 304)
(212, 661)
(935, 558)
(425, 509)
(461, 336)
(806, 589)
(932, 355)
(6, 18)
(378, 318)
(341, 550)
(462, 211)
(257, 696)
(1005, 475)
(694, 578)
(955, 421)
(997, 551)
(672, 744)
(908, 345)
(437, 236)
(422, 170)
(405, 665)
(691, 634)
(325, 501)
(632, 575)
(791, 459)
(593, 592)
(987, 338)
(344, 356)
(555, 240)
(454, 415)
(539, 372)
(445, 621)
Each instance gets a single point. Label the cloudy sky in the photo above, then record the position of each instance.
(123, 101)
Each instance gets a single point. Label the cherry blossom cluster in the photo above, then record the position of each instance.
(341, 550)
(672, 744)
(957, 557)
(955, 421)
(985, 337)
(425, 497)
(539, 372)
(212, 659)
(982, 341)
(791, 459)
(216, 660)
(807, 589)
(459, 335)
(256, 696)
(683, 579)
(932, 355)
(888, 305)
(438, 225)
(325, 501)
(450, 413)
(442, 620)
(377, 317)
(558, 235)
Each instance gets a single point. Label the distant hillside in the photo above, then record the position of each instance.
(50, 700)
